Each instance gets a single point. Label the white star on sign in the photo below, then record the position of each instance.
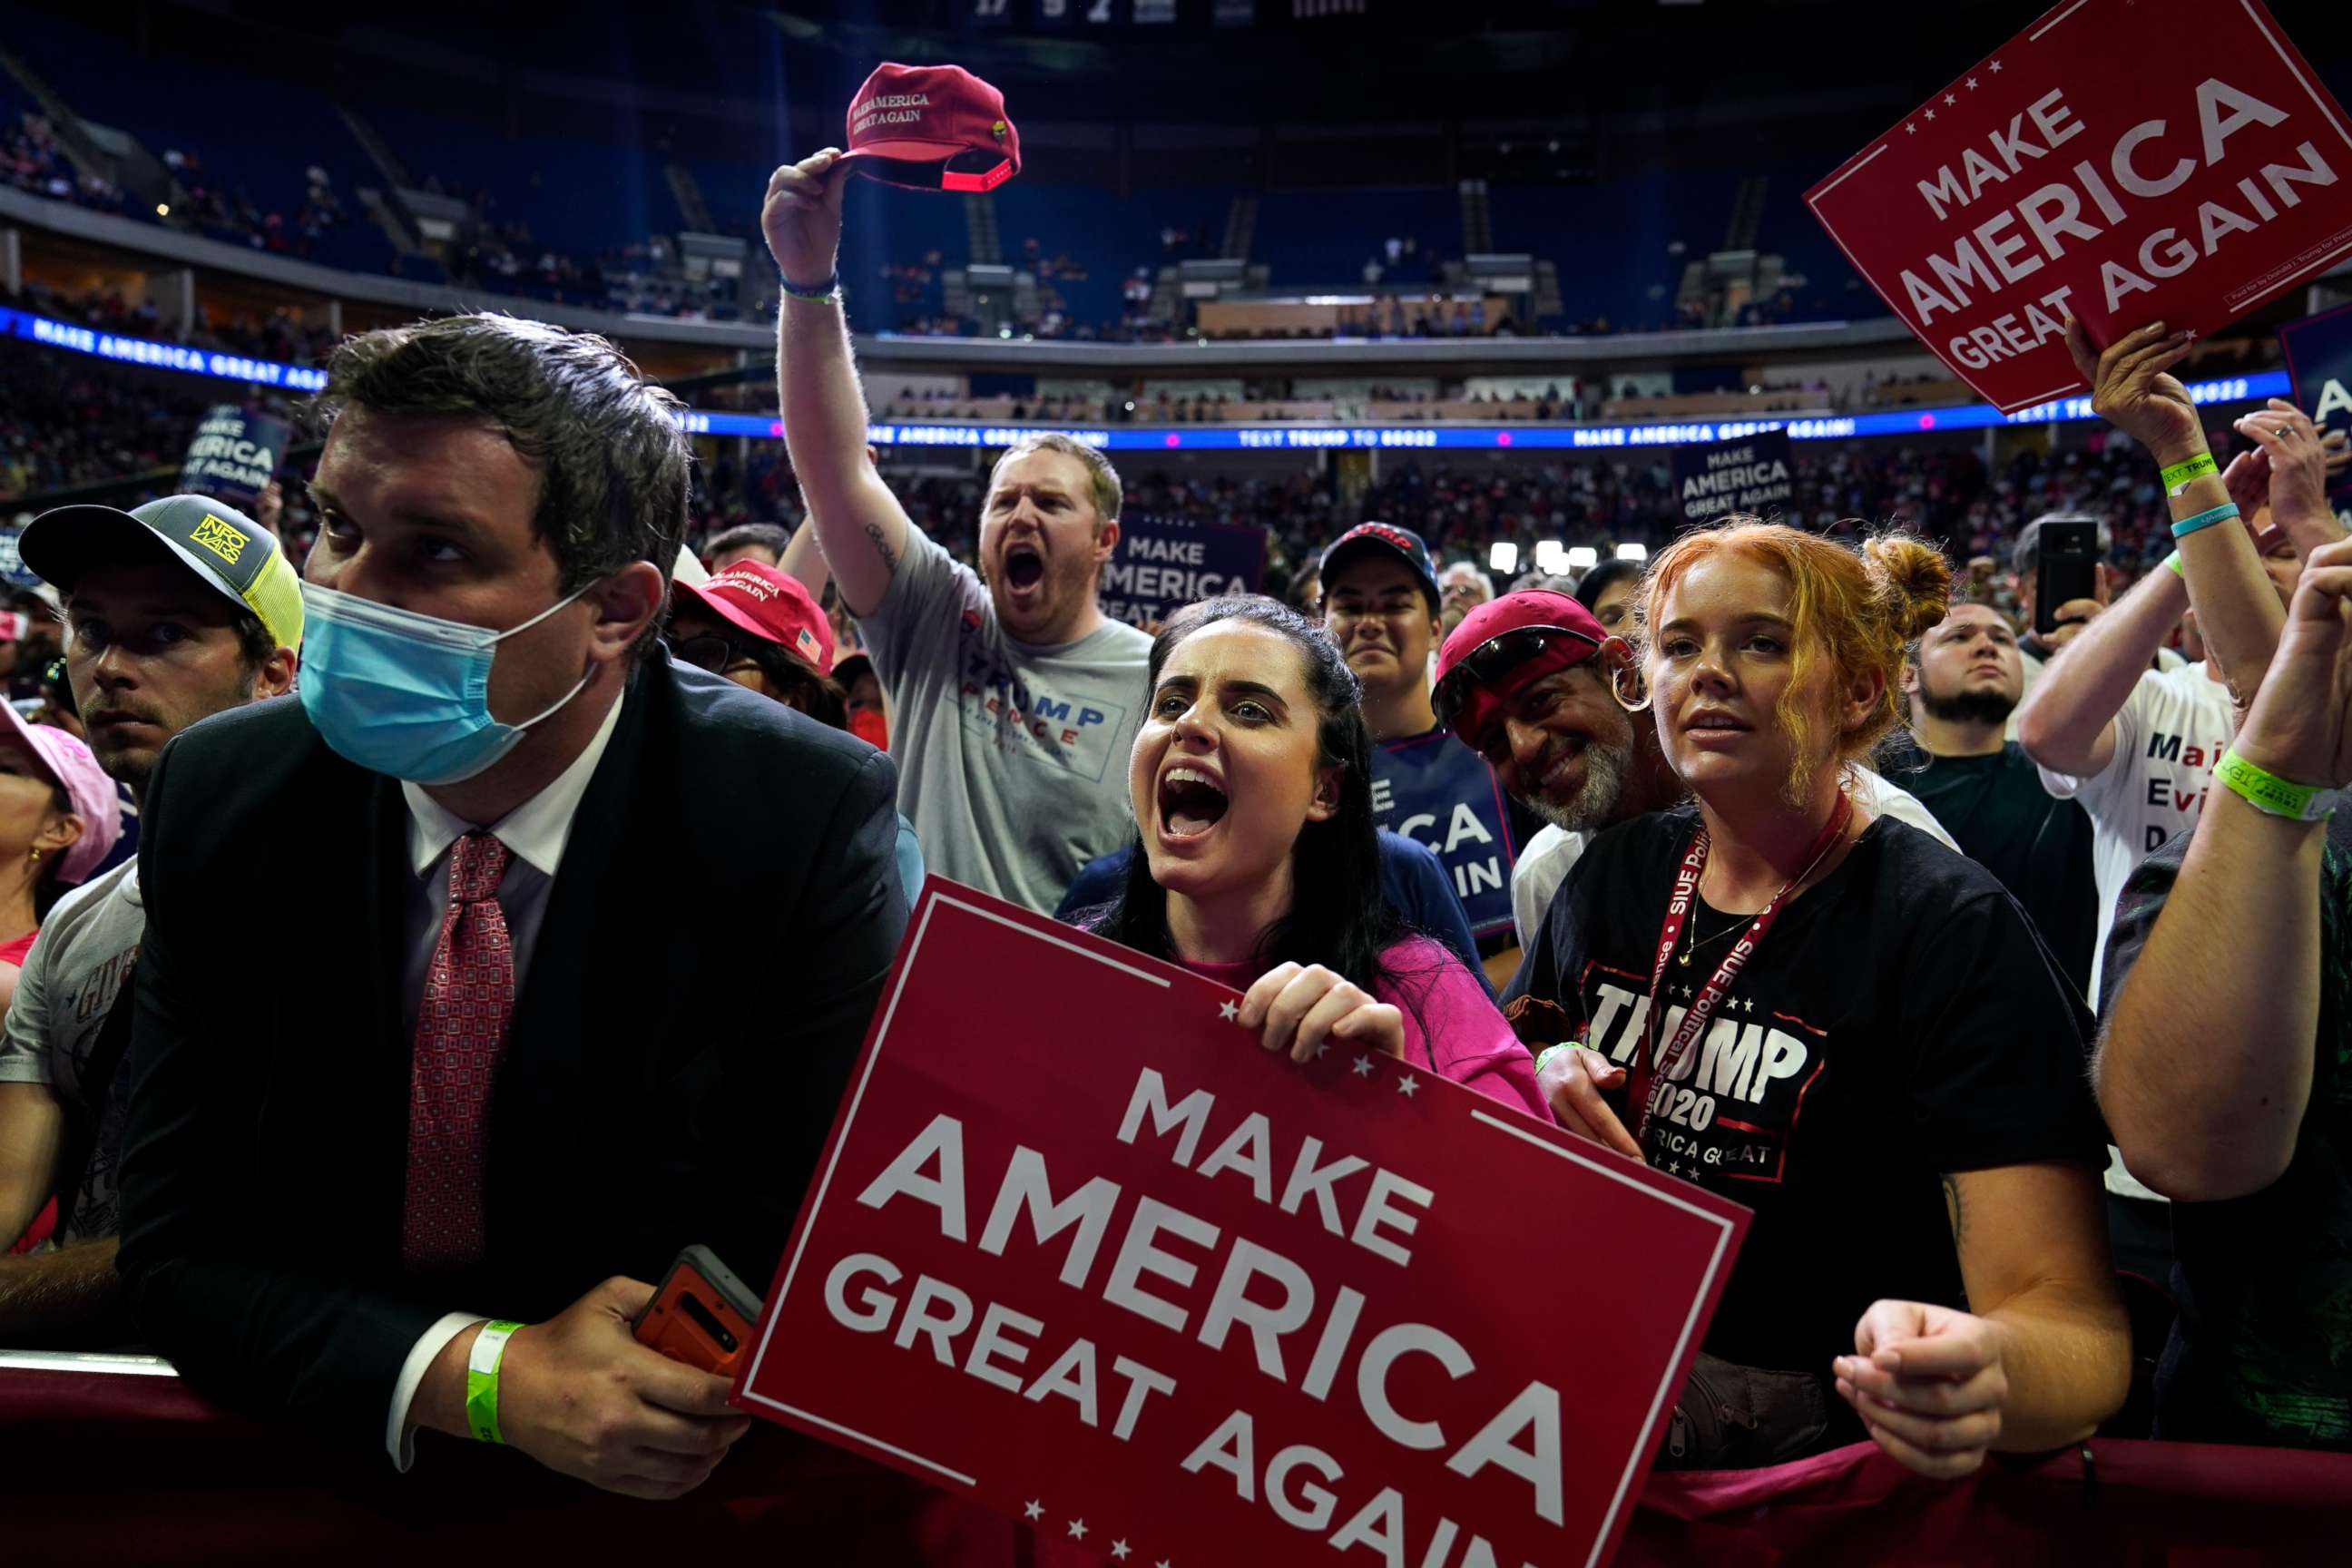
(1119, 1549)
(1408, 1085)
(1972, 84)
(1911, 131)
(1995, 65)
(1227, 1010)
(1950, 100)
(1032, 1509)
(1320, 1047)
(2189, 333)
(1931, 114)
(1363, 1068)
(1077, 1530)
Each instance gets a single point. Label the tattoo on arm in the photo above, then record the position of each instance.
(1958, 1214)
(882, 548)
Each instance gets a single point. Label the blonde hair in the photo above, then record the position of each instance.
(1102, 479)
(1852, 613)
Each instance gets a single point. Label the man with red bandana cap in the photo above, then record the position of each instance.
(1532, 683)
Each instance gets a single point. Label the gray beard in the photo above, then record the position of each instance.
(1591, 807)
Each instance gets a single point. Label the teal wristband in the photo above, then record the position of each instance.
(482, 1379)
(825, 293)
(2206, 519)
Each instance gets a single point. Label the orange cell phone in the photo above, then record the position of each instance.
(702, 1315)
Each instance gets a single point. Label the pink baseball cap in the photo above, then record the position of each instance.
(90, 793)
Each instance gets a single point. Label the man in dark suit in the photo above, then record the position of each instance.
(516, 1049)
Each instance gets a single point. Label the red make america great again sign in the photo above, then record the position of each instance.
(2120, 161)
(1082, 1251)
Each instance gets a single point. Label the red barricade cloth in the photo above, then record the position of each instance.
(99, 1466)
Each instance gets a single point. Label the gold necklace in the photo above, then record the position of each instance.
(1691, 947)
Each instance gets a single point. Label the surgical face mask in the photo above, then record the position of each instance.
(407, 694)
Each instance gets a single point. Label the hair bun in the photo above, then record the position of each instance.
(1916, 578)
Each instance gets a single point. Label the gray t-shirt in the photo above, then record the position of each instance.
(78, 966)
(1011, 757)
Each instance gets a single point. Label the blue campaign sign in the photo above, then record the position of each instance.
(2319, 363)
(234, 456)
(1162, 564)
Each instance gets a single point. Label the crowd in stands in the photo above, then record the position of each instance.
(31, 159)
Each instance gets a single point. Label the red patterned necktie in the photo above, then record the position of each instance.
(461, 1027)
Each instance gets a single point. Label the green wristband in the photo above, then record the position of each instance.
(2178, 476)
(2266, 792)
(2173, 560)
(482, 1381)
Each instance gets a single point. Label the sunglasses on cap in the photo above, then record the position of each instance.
(1492, 660)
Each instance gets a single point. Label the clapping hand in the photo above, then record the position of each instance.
(2298, 727)
(2132, 390)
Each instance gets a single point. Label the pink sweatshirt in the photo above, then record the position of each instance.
(1451, 1024)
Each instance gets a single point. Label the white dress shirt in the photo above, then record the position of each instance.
(535, 834)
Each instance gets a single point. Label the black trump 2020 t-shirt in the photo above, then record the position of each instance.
(1899, 1022)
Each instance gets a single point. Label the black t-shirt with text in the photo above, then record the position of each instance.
(2038, 845)
(1899, 1022)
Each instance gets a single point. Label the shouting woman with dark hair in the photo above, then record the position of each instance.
(1838, 1022)
(1259, 863)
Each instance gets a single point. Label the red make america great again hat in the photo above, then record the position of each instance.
(931, 128)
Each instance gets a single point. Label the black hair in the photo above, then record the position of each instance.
(1604, 576)
(770, 537)
(794, 680)
(1338, 918)
(253, 643)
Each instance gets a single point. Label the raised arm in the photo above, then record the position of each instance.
(804, 560)
(859, 522)
(2068, 722)
(2205, 1073)
(2132, 387)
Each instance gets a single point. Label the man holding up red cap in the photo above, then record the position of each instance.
(1015, 700)
(1532, 683)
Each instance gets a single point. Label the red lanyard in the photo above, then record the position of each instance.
(1654, 1071)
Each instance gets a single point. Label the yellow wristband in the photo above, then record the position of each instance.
(482, 1379)
(2180, 476)
(2266, 792)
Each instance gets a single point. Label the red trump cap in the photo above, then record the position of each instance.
(931, 128)
(1500, 647)
(769, 604)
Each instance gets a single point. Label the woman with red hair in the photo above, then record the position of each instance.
(1842, 1023)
